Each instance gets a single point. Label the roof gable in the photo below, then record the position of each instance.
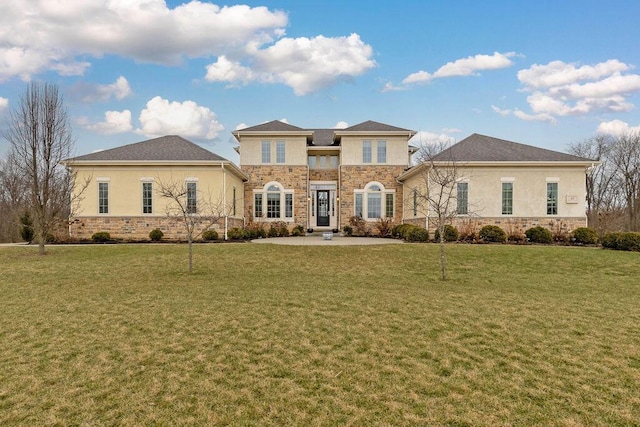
(272, 126)
(482, 148)
(165, 148)
(371, 126)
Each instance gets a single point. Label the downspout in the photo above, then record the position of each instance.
(224, 199)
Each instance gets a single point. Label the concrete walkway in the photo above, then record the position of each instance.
(318, 240)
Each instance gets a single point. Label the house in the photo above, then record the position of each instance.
(512, 185)
(120, 189)
(320, 178)
(323, 178)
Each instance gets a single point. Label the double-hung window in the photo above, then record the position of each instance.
(266, 151)
(280, 152)
(366, 151)
(382, 152)
(507, 198)
(192, 198)
(103, 197)
(147, 197)
(552, 198)
(462, 198)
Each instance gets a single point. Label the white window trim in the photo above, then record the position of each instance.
(103, 180)
(283, 209)
(383, 201)
(142, 182)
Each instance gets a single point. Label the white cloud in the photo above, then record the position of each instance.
(188, 119)
(341, 125)
(616, 128)
(241, 126)
(4, 104)
(503, 113)
(541, 117)
(114, 122)
(561, 89)
(451, 130)
(464, 67)
(390, 87)
(54, 34)
(431, 138)
(304, 64)
(86, 92)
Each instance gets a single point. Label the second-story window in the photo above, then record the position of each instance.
(382, 152)
(266, 151)
(280, 152)
(366, 151)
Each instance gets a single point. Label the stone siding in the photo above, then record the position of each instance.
(323, 175)
(515, 226)
(290, 177)
(357, 177)
(138, 228)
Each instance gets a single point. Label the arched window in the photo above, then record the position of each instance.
(273, 203)
(374, 201)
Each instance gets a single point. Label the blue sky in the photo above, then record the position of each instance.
(546, 73)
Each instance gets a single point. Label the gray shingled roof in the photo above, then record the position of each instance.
(272, 126)
(371, 126)
(481, 148)
(165, 148)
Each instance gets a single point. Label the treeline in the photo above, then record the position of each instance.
(613, 186)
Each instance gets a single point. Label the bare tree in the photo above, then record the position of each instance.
(12, 197)
(40, 137)
(625, 156)
(437, 196)
(604, 198)
(186, 203)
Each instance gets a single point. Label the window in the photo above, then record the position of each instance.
(382, 151)
(334, 162)
(147, 198)
(312, 162)
(358, 205)
(280, 152)
(552, 198)
(273, 202)
(234, 201)
(103, 197)
(288, 205)
(462, 198)
(258, 205)
(374, 202)
(192, 198)
(507, 198)
(366, 151)
(388, 212)
(266, 151)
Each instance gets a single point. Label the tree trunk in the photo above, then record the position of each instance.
(443, 255)
(190, 254)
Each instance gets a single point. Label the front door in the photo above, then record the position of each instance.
(323, 208)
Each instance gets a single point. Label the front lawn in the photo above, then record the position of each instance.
(283, 335)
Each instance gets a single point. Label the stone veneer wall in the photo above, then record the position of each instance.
(138, 227)
(323, 175)
(512, 226)
(290, 177)
(356, 177)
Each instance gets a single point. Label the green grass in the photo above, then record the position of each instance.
(277, 335)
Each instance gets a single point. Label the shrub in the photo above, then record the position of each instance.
(493, 234)
(539, 235)
(210, 235)
(156, 235)
(585, 236)
(629, 242)
(383, 225)
(450, 234)
(398, 231)
(348, 230)
(416, 234)
(26, 231)
(237, 234)
(298, 230)
(610, 240)
(273, 231)
(359, 226)
(255, 230)
(101, 237)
